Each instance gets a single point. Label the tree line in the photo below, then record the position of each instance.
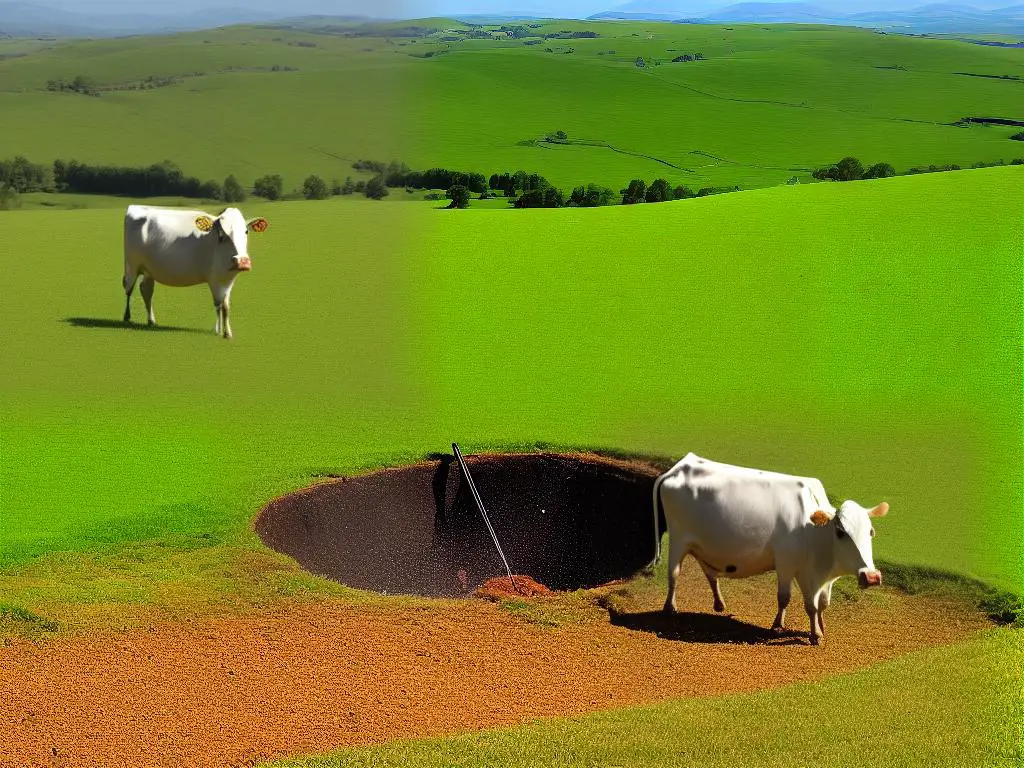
(852, 169)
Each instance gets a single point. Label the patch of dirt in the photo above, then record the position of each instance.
(230, 691)
(567, 520)
(503, 586)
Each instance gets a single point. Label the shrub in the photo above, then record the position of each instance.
(1018, 136)
(459, 195)
(682, 193)
(232, 190)
(879, 171)
(270, 186)
(315, 188)
(9, 198)
(658, 192)
(591, 196)
(636, 192)
(376, 189)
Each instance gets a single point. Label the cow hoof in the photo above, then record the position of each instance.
(815, 640)
(669, 610)
(719, 607)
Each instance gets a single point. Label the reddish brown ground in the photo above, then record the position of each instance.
(228, 691)
(519, 586)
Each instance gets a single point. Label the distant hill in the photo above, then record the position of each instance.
(24, 19)
(931, 18)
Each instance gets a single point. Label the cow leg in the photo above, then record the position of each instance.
(225, 309)
(824, 600)
(128, 283)
(712, 578)
(676, 553)
(785, 589)
(814, 615)
(146, 289)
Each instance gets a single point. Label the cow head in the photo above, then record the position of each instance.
(852, 532)
(232, 233)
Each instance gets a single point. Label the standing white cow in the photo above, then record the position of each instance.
(181, 248)
(738, 522)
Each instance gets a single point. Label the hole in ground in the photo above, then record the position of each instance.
(567, 520)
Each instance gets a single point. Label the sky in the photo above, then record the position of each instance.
(424, 8)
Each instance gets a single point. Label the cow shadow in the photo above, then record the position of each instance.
(704, 628)
(105, 323)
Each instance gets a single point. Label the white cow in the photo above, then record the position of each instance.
(180, 248)
(738, 522)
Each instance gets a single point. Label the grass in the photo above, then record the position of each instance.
(369, 335)
(723, 121)
(856, 332)
(916, 710)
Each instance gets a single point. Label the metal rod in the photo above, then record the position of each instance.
(483, 512)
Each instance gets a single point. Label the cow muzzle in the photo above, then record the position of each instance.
(869, 578)
(243, 263)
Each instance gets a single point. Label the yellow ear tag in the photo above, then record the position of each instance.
(259, 225)
(204, 223)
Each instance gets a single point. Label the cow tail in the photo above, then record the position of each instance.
(657, 509)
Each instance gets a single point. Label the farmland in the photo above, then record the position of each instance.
(250, 100)
(867, 333)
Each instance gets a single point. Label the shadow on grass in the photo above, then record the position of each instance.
(105, 323)
(704, 628)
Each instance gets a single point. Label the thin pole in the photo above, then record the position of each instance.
(483, 512)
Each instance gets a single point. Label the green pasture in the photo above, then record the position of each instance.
(475, 104)
(807, 329)
(866, 333)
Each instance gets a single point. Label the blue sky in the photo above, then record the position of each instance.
(422, 8)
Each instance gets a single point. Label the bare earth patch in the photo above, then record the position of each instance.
(231, 691)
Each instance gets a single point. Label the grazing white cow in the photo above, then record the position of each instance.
(181, 248)
(738, 522)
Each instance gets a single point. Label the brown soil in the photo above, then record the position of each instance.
(230, 691)
(503, 587)
(569, 521)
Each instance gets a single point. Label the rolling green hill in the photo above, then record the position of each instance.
(766, 104)
(805, 328)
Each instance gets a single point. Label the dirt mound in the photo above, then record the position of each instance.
(502, 587)
(568, 521)
(223, 692)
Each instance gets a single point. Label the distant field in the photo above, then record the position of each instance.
(728, 120)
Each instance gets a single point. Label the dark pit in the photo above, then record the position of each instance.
(568, 521)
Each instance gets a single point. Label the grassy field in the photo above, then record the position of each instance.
(868, 334)
(727, 120)
(823, 336)
(879, 354)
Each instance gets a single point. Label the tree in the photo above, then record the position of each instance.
(232, 191)
(9, 198)
(879, 171)
(348, 187)
(315, 188)
(1018, 136)
(659, 191)
(269, 186)
(682, 193)
(459, 195)
(553, 198)
(849, 169)
(376, 189)
(636, 192)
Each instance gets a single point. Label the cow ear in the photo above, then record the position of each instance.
(880, 511)
(820, 518)
(204, 223)
(257, 225)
